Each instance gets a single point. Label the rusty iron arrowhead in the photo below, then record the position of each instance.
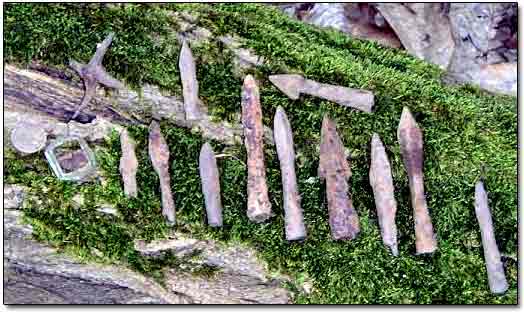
(494, 267)
(258, 204)
(411, 147)
(187, 68)
(295, 228)
(335, 169)
(290, 84)
(210, 185)
(382, 184)
(159, 154)
(128, 164)
(293, 85)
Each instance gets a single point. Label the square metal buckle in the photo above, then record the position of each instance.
(80, 174)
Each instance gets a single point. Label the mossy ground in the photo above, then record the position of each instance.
(467, 134)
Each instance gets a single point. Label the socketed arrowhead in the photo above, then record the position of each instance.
(159, 154)
(187, 68)
(382, 184)
(258, 205)
(295, 228)
(496, 276)
(335, 169)
(128, 164)
(209, 176)
(411, 147)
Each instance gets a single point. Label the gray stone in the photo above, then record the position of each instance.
(226, 288)
(14, 196)
(37, 274)
(477, 39)
(423, 30)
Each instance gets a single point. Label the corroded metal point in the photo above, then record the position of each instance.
(375, 141)
(290, 84)
(282, 128)
(494, 267)
(128, 164)
(383, 192)
(406, 120)
(331, 146)
(249, 82)
(209, 176)
(206, 150)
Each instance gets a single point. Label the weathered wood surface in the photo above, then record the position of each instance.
(59, 98)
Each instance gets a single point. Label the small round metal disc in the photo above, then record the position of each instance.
(28, 137)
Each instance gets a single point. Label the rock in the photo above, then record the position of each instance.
(180, 247)
(78, 200)
(359, 20)
(37, 274)
(237, 276)
(328, 15)
(481, 44)
(226, 288)
(423, 30)
(108, 209)
(14, 196)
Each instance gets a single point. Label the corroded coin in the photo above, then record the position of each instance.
(28, 137)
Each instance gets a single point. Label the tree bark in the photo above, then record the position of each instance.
(32, 90)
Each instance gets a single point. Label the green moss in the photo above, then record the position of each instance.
(467, 133)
